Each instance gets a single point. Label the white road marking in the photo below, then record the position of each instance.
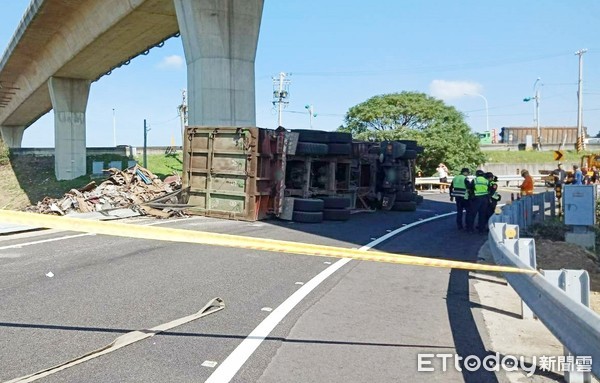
(209, 363)
(327, 263)
(20, 245)
(267, 309)
(232, 364)
(299, 283)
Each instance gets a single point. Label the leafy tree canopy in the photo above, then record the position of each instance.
(439, 128)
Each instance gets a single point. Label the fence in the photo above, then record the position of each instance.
(558, 298)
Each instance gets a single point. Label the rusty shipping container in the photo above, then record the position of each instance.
(233, 172)
(553, 135)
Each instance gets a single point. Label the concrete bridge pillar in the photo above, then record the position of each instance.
(12, 135)
(69, 101)
(219, 41)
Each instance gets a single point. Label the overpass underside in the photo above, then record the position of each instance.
(62, 46)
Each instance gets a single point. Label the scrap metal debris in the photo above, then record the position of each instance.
(135, 188)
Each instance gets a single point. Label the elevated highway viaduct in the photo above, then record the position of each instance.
(62, 46)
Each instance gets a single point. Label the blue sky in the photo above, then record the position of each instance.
(340, 53)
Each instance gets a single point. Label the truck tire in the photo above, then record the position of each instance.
(409, 155)
(335, 202)
(336, 214)
(405, 206)
(410, 144)
(419, 199)
(307, 217)
(340, 137)
(339, 149)
(308, 205)
(317, 136)
(405, 196)
(313, 148)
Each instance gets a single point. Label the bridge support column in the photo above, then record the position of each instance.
(12, 135)
(219, 41)
(69, 101)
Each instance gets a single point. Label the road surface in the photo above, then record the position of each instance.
(365, 322)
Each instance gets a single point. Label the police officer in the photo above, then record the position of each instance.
(493, 192)
(479, 204)
(459, 192)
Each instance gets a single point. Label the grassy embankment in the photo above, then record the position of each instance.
(25, 180)
(531, 157)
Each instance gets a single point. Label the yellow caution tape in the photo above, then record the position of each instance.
(227, 240)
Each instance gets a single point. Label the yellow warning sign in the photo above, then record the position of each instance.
(558, 154)
(119, 229)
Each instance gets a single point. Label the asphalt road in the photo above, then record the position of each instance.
(365, 323)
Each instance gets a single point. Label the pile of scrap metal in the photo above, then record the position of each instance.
(135, 188)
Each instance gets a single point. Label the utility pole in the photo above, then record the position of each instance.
(183, 116)
(281, 94)
(580, 142)
(146, 130)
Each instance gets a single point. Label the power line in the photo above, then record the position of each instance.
(434, 68)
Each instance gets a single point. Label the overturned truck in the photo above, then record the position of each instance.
(248, 173)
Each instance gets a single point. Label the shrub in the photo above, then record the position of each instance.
(4, 154)
(554, 230)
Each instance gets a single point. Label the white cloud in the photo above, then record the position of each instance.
(449, 90)
(172, 62)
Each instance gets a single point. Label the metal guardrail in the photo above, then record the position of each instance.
(572, 323)
(501, 178)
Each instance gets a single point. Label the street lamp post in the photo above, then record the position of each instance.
(114, 129)
(311, 114)
(536, 110)
(487, 112)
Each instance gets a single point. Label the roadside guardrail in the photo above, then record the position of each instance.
(558, 298)
(515, 179)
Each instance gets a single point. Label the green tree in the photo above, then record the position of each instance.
(439, 128)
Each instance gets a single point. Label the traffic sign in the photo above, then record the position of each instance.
(558, 154)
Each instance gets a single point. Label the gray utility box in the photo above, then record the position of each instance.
(579, 202)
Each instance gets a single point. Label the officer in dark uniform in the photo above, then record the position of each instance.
(493, 193)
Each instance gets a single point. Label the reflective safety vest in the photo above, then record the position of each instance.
(496, 195)
(459, 186)
(481, 186)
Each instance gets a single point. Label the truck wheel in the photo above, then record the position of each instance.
(339, 149)
(409, 155)
(336, 214)
(307, 217)
(405, 206)
(317, 136)
(308, 205)
(312, 148)
(335, 202)
(340, 137)
(405, 196)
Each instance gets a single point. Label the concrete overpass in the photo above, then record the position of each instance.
(62, 46)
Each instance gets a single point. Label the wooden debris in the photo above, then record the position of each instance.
(129, 188)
